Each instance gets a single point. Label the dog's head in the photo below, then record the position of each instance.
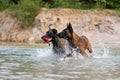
(50, 34)
(67, 32)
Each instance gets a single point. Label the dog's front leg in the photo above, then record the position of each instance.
(68, 55)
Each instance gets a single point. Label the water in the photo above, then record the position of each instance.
(39, 63)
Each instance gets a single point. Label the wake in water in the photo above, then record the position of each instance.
(99, 52)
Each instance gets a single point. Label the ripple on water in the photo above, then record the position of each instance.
(34, 63)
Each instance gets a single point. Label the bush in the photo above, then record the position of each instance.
(113, 4)
(4, 4)
(65, 3)
(26, 10)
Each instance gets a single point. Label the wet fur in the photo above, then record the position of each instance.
(80, 42)
(57, 42)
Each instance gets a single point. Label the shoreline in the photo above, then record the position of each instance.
(97, 25)
(41, 45)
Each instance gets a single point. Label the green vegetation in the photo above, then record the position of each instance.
(26, 10)
(38, 41)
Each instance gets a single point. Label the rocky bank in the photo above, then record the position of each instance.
(97, 25)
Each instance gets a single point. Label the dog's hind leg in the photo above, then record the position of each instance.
(83, 52)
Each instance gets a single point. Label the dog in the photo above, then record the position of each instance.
(80, 42)
(57, 42)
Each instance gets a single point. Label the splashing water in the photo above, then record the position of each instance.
(36, 63)
(102, 52)
(99, 52)
(45, 52)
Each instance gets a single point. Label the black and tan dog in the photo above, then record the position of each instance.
(80, 42)
(57, 42)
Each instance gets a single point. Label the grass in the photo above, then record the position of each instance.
(26, 10)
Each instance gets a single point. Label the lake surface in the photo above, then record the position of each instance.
(21, 62)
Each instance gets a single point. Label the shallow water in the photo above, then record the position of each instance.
(21, 62)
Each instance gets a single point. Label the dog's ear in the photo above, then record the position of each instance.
(54, 31)
(69, 27)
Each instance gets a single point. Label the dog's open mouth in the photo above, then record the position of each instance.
(46, 39)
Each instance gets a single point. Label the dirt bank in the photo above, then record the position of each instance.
(98, 26)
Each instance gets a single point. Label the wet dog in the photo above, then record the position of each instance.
(57, 42)
(75, 41)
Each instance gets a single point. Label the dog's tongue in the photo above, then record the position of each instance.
(46, 39)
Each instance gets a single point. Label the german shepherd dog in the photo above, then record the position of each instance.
(57, 42)
(75, 41)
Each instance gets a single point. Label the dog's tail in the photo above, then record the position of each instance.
(89, 47)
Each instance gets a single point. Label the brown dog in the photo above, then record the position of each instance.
(80, 42)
